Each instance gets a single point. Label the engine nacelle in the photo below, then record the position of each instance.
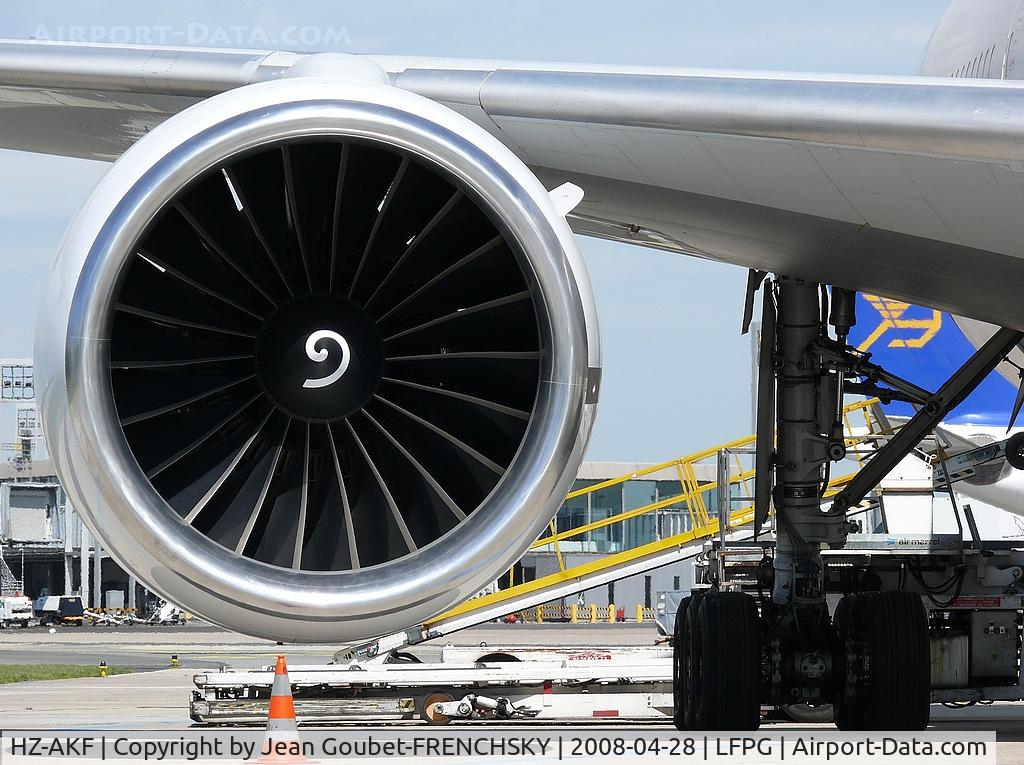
(318, 360)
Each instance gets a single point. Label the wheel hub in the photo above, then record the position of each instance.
(319, 358)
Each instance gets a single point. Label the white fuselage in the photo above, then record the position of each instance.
(977, 39)
(982, 39)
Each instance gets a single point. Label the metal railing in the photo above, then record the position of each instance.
(9, 584)
(589, 613)
(699, 504)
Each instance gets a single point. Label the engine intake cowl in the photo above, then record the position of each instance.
(319, 359)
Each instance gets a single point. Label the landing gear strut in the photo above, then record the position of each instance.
(871, 660)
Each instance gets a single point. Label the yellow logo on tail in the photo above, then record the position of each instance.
(892, 312)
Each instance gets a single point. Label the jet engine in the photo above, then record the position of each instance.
(318, 360)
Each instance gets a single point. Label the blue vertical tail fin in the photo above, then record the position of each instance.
(926, 346)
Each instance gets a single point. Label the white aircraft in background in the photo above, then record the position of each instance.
(320, 357)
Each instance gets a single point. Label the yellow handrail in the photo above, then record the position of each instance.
(737, 519)
(692, 495)
(703, 524)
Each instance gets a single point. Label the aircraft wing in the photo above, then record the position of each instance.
(907, 187)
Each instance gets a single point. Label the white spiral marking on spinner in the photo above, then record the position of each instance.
(320, 356)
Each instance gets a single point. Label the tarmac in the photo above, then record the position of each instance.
(201, 646)
(155, 697)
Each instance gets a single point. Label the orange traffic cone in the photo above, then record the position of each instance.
(281, 743)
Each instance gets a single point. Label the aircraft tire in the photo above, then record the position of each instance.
(892, 628)
(678, 662)
(1015, 451)
(848, 714)
(691, 657)
(726, 692)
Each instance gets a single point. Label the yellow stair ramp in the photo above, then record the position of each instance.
(863, 422)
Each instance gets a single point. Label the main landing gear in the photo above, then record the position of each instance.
(870, 660)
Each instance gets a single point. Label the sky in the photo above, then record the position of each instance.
(676, 369)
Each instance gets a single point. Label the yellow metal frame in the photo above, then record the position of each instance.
(703, 525)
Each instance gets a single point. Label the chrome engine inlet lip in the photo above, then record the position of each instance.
(179, 562)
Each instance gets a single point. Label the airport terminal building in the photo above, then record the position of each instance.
(46, 550)
(603, 504)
